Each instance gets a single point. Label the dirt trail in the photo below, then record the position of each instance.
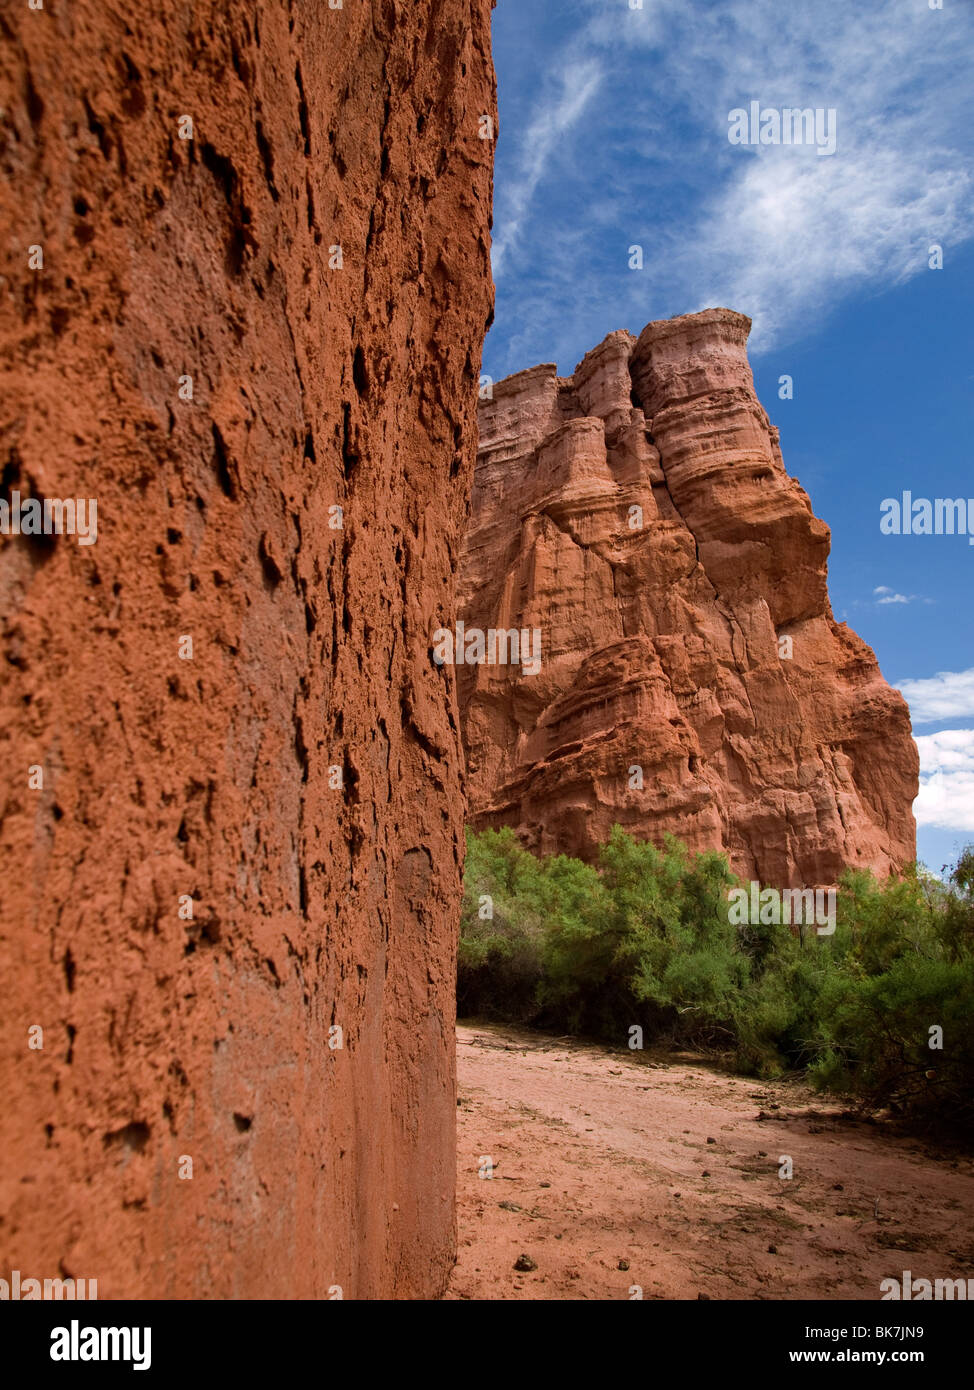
(602, 1157)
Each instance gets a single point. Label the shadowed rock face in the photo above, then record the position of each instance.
(639, 515)
(214, 779)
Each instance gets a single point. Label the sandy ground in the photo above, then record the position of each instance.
(615, 1170)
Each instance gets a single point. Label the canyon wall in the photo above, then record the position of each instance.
(639, 518)
(243, 291)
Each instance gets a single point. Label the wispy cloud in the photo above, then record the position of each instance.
(946, 780)
(778, 232)
(863, 218)
(554, 117)
(787, 230)
(947, 695)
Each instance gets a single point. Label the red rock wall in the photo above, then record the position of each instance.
(661, 644)
(313, 387)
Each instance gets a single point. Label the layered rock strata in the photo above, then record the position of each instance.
(243, 289)
(692, 680)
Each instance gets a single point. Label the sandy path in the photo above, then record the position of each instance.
(603, 1157)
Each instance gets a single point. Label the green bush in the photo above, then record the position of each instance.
(505, 905)
(645, 939)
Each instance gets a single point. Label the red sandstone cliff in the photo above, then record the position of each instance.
(214, 778)
(692, 677)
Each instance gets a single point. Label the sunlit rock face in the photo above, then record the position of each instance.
(692, 679)
(232, 903)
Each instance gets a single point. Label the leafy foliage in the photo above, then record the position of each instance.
(646, 940)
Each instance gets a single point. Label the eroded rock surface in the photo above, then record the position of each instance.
(693, 679)
(318, 382)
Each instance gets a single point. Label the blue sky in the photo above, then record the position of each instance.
(614, 133)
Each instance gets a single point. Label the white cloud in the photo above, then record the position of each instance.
(946, 796)
(790, 231)
(947, 695)
(883, 594)
(780, 233)
(580, 80)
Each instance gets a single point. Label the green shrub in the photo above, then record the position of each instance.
(646, 939)
(501, 928)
